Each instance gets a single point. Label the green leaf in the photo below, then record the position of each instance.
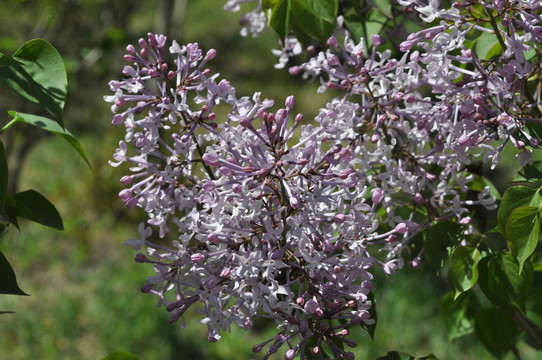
(11, 210)
(33, 206)
(530, 172)
(487, 46)
(51, 126)
(3, 178)
(120, 355)
(316, 17)
(395, 355)
(523, 232)
(459, 314)
(384, 6)
(8, 280)
(463, 270)
(8, 60)
(502, 283)
(439, 242)
(513, 198)
(496, 331)
(41, 79)
(280, 18)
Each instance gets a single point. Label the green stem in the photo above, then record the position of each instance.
(496, 29)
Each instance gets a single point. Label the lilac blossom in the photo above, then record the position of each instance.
(273, 216)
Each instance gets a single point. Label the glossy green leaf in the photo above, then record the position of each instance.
(396, 355)
(8, 280)
(487, 46)
(120, 355)
(51, 126)
(41, 79)
(523, 232)
(3, 178)
(439, 242)
(496, 331)
(33, 206)
(280, 17)
(502, 283)
(463, 270)
(316, 17)
(384, 6)
(6, 60)
(459, 313)
(513, 198)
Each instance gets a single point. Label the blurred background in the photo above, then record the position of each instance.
(84, 283)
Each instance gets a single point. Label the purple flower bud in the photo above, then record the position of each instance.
(303, 326)
(226, 171)
(534, 142)
(197, 258)
(290, 354)
(294, 70)
(140, 258)
(401, 228)
(211, 159)
(117, 119)
(406, 45)
(257, 348)
(211, 282)
(125, 180)
(339, 218)
(237, 188)
(392, 238)
(377, 196)
(208, 186)
(294, 202)
(245, 122)
(146, 288)
(416, 262)
(332, 41)
(125, 194)
(375, 38)
(418, 198)
(332, 59)
(465, 221)
(298, 118)
(210, 54)
(289, 103)
(213, 238)
(311, 306)
(225, 273)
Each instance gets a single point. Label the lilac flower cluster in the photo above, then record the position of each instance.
(273, 216)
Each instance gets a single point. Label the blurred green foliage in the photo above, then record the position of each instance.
(84, 283)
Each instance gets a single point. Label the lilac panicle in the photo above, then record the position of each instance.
(269, 215)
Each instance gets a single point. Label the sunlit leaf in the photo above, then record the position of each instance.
(41, 79)
(513, 198)
(51, 126)
(316, 17)
(523, 232)
(463, 270)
